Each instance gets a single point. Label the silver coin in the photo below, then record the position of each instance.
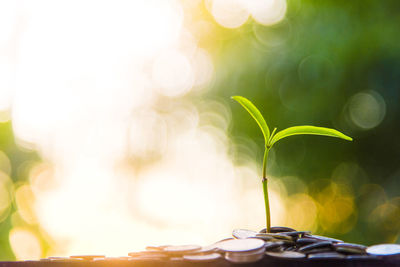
(181, 249)
(150, 253)
(203, 258)
(362, 257)
(250, 253)
(156, 248)
(273, 245)
(243, 233)
(316, 245)
(350, 248)
(295, 233)
(87, 257)
(384, 249)
(63, 259)
(216, 244)
(326, 255)
(220, 241)
(319, 250)
(66, 259)
(265, 237)
(306, 240)
(240, 245)
(324, 238)
(204, 250)
(286, 254)
(240, 257)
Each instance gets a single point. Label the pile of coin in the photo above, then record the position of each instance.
(248, 246)
(284, 242)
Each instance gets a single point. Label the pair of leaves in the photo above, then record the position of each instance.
(271, 139)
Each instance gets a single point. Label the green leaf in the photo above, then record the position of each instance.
(296, 130)
(255, 113)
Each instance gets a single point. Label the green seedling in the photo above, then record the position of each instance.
(272, 138)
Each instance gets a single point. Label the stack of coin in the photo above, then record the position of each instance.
(243, 250)
(60, 259)
(281, 242)
(192, 253)
(249, 246)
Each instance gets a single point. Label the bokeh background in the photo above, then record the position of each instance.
(117, 130)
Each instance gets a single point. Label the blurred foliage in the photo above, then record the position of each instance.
(307, 70)
(16, 165)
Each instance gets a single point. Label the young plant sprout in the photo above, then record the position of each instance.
(272, 138)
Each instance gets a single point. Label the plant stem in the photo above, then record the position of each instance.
(265, 189)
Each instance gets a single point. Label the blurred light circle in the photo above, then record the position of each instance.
(367, 109)
(172, 73)
(25, 199)
(215, 113)
(181, 117)
(203, 68)
(314, 68)
(229, 13)
(349, 173)
(25, 244)
(4, 202)
(370, 196)
(297, 206)
(6, 188)
(41, 177)
(192, 4)
(387, 215)
(187, 43)
(272, 36)
(293, 97)
(147, 134)
(203, 29)
(5, 164)
(267, 12)
(294, 185)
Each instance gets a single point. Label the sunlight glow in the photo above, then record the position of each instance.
(229, 13)
(25, 244)
(172, 73)
(128, 159)
(8, 20)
